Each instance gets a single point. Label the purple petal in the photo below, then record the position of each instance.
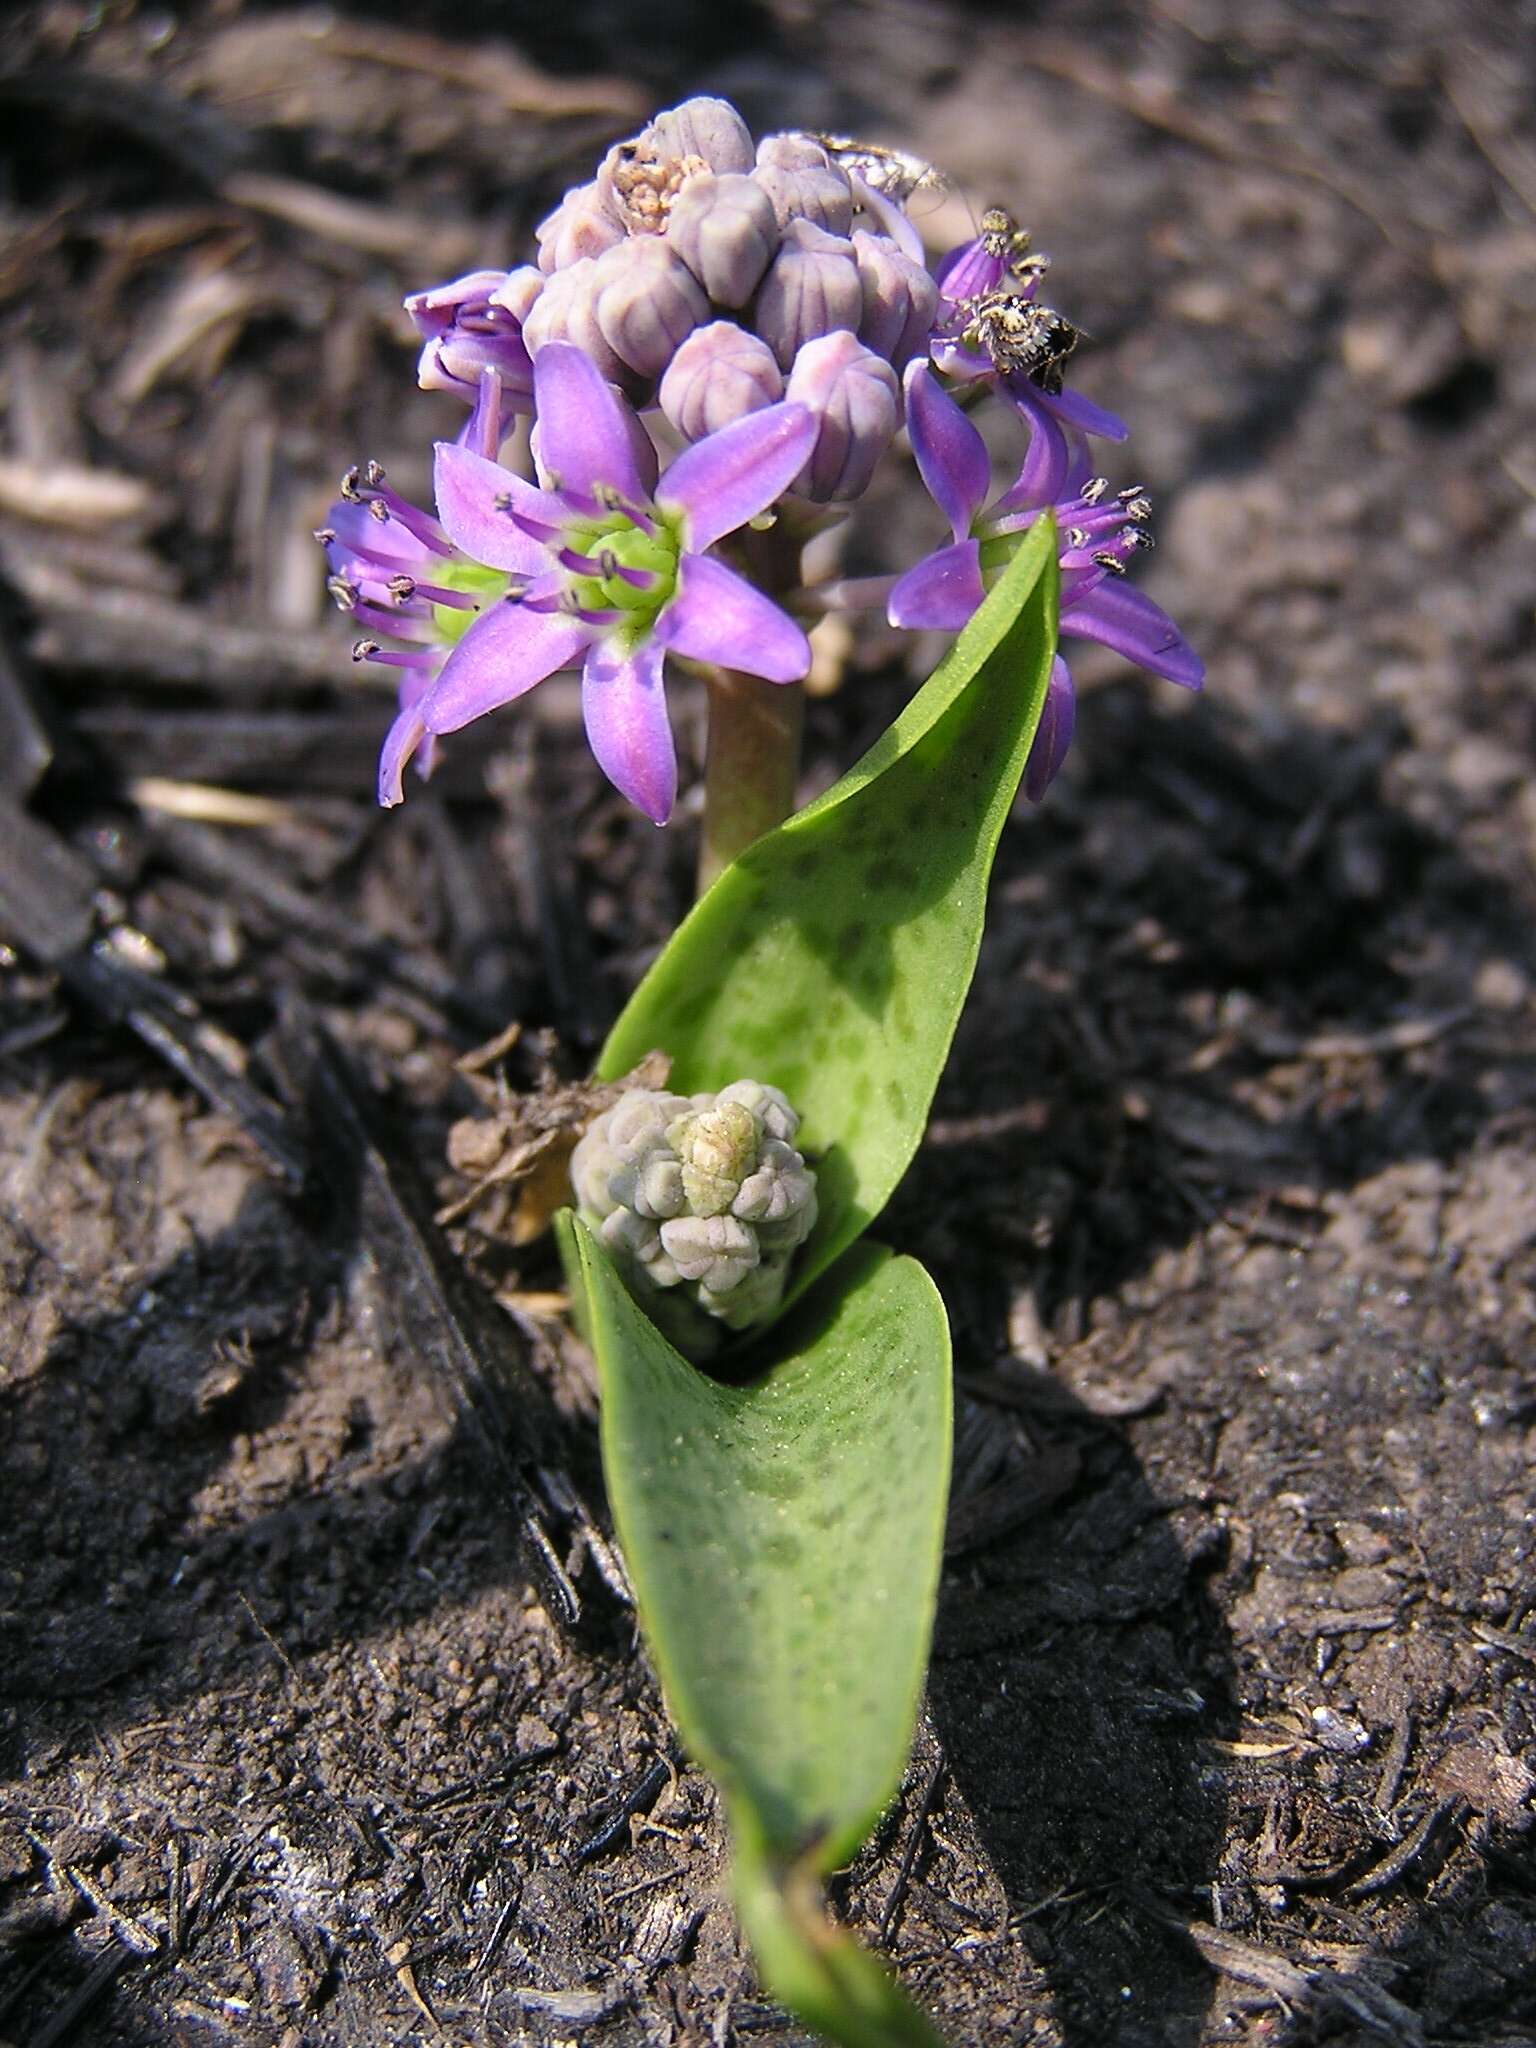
(414, 685)
(625, 710)
(643, 449)
(500, 657)
(951, 455)
(1043, 477)
(1053, 735)
(729, 477)
(718, 616)
(1080, 464)
(965, 365)
(1073, 410)
(401, 741)
(483, 431)
(584, 435)
(475, 501)
(1127, 620)
(942, 590)
(968, 271)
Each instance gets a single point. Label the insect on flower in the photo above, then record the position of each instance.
(1006, 242)
(1017, 334)
(895, 174)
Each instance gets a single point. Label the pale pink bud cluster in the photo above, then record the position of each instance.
(697, 271)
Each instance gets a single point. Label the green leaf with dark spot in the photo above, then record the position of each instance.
(784, 1538)
(832, 958)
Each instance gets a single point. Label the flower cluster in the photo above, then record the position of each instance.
(762, 314)
(702, 1201)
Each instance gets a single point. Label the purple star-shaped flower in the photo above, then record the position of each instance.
(609, 567)
(1098, 536)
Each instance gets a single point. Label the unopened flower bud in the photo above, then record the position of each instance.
(811, 288)
(566, 310)
(792, 152)
(770, 1106)
(582, 225)
(518, 291)
(724, 230)
(716, 1251)
(803, 183)
(706, 128)
(646, 301)
(641, 1116)
(776, 1192)
(720, 374)
(900, 300)
(701, 1203)
(856, 398)
(634, 1242)
(636, 1143)
(717, 1148)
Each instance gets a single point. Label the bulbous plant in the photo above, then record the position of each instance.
(717, 346)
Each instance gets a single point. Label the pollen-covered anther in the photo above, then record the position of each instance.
(640, 182)
(401, 589)
(1094, 489)
(365, 650)
(1113, 563)
(344, 594)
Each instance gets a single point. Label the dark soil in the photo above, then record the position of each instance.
(1232, 1187)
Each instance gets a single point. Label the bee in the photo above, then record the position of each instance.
(1016, 334)
(1006, 242)
(894, 173)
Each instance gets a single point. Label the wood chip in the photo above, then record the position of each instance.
(207, 304)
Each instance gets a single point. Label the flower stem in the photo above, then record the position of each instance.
(751, 764)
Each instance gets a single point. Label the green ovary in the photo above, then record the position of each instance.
(617, 536)
(484, 585)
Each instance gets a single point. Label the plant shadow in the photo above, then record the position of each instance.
(1080, 1671)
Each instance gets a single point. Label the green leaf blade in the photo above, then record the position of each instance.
(784, 1537)
(833, 957)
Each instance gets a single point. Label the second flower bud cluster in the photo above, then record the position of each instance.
(702, 1201)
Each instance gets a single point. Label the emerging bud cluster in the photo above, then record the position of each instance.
(701, 1201)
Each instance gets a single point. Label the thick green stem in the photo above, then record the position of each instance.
(751, 764)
